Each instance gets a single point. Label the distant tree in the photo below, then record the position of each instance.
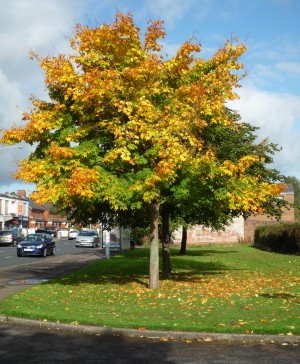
(53, 210)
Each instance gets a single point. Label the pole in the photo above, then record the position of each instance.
(12, 146)
(107, 250)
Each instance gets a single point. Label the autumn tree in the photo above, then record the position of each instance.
(123, 123)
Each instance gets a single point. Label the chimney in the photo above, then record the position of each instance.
(21, 193)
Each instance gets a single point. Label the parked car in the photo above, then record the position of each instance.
(115, 245)
(87, 238)
(62, 233)
(72, 234)
(36, 244)
(52, 230)
(10, 237)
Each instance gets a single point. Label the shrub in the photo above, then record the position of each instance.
(279, 238)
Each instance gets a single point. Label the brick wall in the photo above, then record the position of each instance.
(239, 231)
(198, 235)
(251, 225)
(254, 221)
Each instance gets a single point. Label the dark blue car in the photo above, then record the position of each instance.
(36, 244)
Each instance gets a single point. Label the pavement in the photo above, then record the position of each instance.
(158, 346)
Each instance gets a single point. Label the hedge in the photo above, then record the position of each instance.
(279, 238)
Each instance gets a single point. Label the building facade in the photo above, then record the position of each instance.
(41, 215)
(14, 212)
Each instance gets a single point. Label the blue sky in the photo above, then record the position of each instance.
(269, 97)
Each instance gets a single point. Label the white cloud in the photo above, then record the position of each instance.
(172, 11)
(10, 96)
(38, 25)
(290, 67)
(278, 117)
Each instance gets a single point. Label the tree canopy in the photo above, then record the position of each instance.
(125, 126)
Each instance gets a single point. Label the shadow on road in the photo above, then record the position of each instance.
(26, 344)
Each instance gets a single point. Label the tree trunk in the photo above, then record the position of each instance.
(183, 241)
(154, 247)
(166, 257)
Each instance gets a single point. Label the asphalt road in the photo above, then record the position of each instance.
(9, 258)
(24, 341)
(30, 270)
(33, 344)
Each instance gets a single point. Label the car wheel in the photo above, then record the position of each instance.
(45, 253)
(53, 251)
(19, 255)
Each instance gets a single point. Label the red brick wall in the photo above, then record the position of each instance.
(254, 221)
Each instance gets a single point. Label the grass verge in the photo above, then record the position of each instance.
(225, 289)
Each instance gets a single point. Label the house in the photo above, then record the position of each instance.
(53, 218)
(240, 230)
(42, 215)
(13, 212)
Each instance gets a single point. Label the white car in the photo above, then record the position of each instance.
(72, 234)
(87, 238)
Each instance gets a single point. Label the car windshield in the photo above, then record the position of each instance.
(3, 232)
(32, 237)
(87, 233)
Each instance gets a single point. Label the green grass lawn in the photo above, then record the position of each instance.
(232, 289)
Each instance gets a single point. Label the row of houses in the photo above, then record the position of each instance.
(19, 211)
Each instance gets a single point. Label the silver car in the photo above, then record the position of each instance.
(87, 238)
(72, 234)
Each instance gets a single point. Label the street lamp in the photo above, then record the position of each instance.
(12, 146)
(8, 147)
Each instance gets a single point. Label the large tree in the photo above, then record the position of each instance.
(124, 124)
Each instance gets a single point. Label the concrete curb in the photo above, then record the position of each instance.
(153, 334)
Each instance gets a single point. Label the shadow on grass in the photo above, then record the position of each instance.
(133, 267)
(205, 252)
(285, 296)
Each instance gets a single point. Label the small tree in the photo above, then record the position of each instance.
(123, 124)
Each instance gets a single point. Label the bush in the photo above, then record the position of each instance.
(279, 238)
